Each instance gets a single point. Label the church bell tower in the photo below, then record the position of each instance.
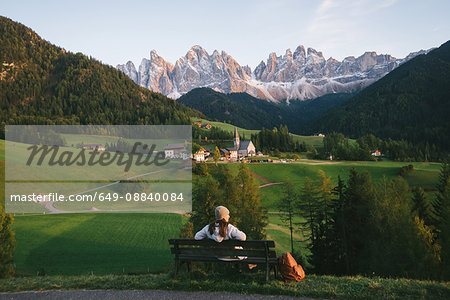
(236, 139)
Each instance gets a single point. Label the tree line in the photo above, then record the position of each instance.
(342, 148)
(381, 229)
(277, 139)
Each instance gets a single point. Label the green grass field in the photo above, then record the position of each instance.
(66, 244)
(424, 174)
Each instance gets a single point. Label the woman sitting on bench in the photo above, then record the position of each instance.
(220, 229)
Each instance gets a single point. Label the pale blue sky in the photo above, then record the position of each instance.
(117, 31)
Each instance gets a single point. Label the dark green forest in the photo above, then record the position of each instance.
(246, 111)
(411, 103)
(41, 83)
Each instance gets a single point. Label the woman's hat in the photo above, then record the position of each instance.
(221, 212)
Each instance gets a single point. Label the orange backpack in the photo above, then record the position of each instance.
(289, 268)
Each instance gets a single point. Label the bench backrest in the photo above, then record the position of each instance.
(208, 248)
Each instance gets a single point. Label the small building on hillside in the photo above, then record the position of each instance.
(206, 126)
(98, 147)
(376, 153)
(207, 151)
(233, 153)
(174, 151)
(224, 152)
(199, 156)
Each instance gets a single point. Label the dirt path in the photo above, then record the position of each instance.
(270, 184)
(317, 162)
(265, 180)
(133, 294)
(285, 230)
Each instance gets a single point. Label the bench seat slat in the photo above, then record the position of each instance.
(250, 260)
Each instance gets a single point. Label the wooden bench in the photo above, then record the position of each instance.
(252, 252)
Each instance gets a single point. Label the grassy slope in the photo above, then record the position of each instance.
(425, 174)
(99, 243)
(309, 140)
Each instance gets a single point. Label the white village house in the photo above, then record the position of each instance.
(200, 155)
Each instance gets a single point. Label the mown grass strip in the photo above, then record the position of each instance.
(313, 286)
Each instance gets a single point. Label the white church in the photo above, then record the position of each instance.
(243, 148)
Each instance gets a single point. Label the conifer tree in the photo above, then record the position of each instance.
(230, 191)
(7, 244)
(252, 216)
(287, 208)
(441, 208)
(421, 205)
(441, 200)
(307, 209)
(206, 197)
(358, 194)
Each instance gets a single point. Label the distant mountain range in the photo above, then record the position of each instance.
(412, 102)
(302, 74)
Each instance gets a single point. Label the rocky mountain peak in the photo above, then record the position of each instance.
(288, 54)
(303, 74)
(312, 51)
(299, 53)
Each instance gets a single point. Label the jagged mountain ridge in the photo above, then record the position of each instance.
(411, 103)
(302, 74)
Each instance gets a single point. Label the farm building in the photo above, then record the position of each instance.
(98, 147)
(174, 150)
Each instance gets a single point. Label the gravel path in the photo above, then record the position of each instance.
(133, 294)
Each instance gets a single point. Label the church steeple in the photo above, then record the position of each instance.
(236, 139)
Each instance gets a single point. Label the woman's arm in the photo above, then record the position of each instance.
(236, 233)
(202, 234)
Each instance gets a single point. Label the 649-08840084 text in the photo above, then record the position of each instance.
(102, 197)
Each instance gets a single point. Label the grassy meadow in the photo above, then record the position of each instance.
(424, 174)
(68, 244)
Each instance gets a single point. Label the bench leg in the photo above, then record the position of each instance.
(267, 271)
(176, 269)
(188, 265)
